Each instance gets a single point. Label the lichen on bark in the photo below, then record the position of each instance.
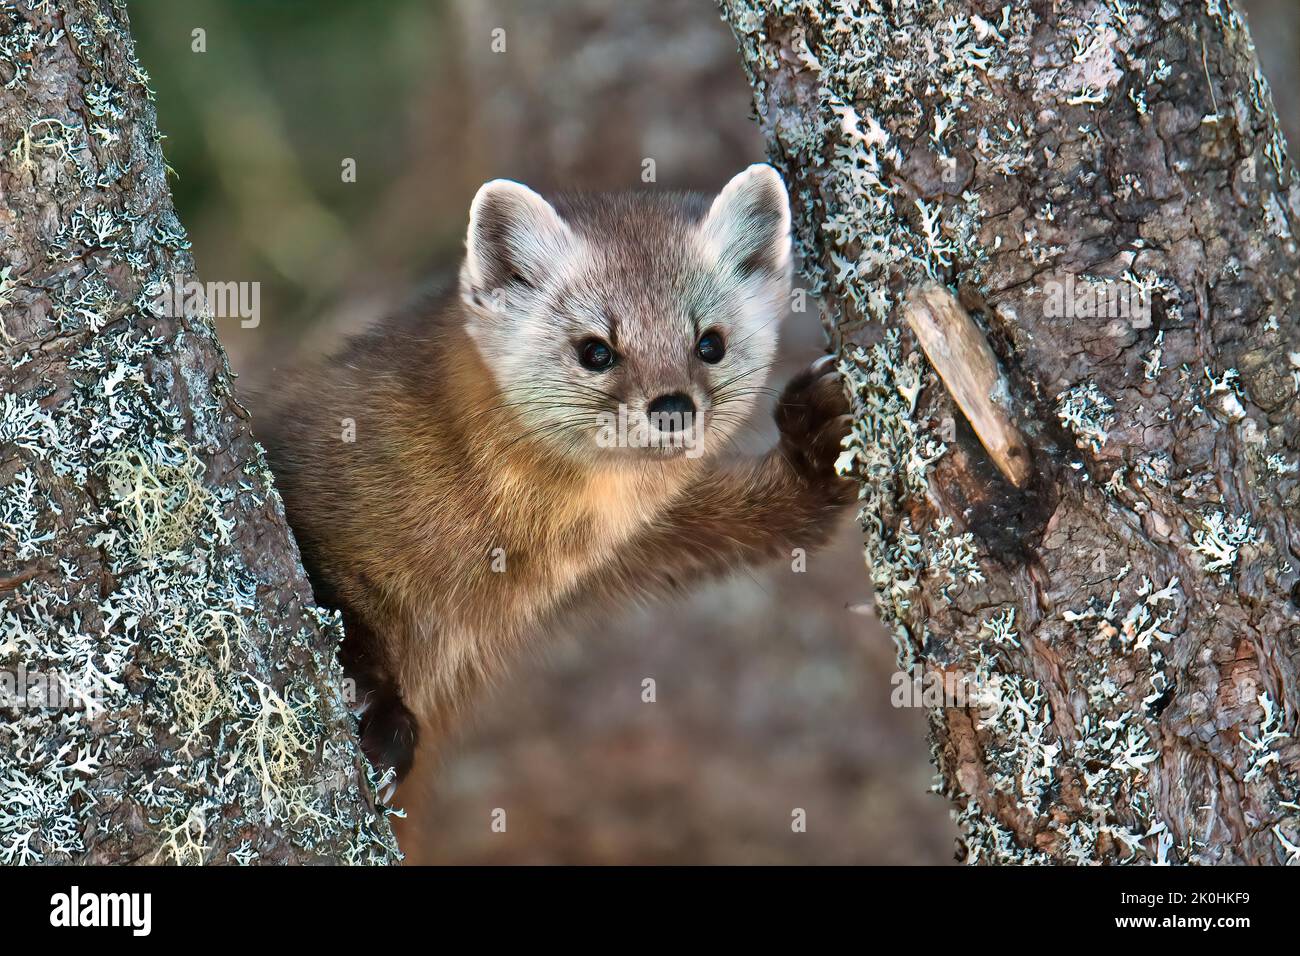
(1129, 620)
(145, 564)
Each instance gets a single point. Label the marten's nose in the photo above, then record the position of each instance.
(670, 413)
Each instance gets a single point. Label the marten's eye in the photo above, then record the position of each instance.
(710, 348)
(595, 355)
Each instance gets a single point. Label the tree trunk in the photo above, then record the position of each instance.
(168, 691)
(1080, 473)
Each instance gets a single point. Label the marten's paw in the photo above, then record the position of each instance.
(813, 416)
(389, 733)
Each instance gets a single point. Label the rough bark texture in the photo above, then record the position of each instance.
(145, 563)
(1127, 624)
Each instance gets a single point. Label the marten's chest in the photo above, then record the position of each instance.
(561, 538)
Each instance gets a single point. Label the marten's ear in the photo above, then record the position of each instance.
(748, 225)
(514, 234)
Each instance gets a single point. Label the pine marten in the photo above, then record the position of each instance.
(463, 476)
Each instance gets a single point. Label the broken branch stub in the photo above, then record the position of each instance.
(960, 354)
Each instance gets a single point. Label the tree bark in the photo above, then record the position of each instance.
(1124, 623)
(170, 692)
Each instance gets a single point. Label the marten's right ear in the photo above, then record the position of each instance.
(515, 237)
(748, 225)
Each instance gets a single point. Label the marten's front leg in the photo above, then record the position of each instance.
(755, 511)
(388, 730)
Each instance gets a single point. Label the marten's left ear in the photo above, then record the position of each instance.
(748, 225)
(514, 237)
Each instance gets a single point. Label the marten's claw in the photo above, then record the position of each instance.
(813, 416)
(389, 733)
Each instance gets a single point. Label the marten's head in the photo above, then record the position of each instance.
(625, 325)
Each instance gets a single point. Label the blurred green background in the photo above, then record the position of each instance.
(772, 693)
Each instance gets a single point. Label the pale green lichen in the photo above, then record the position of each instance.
(158, 497)
(1086, 412)
(1020, 755)
(1263, 748)
(1002, 627)
(1220, 539)
(1119, 747)
(891, 453)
